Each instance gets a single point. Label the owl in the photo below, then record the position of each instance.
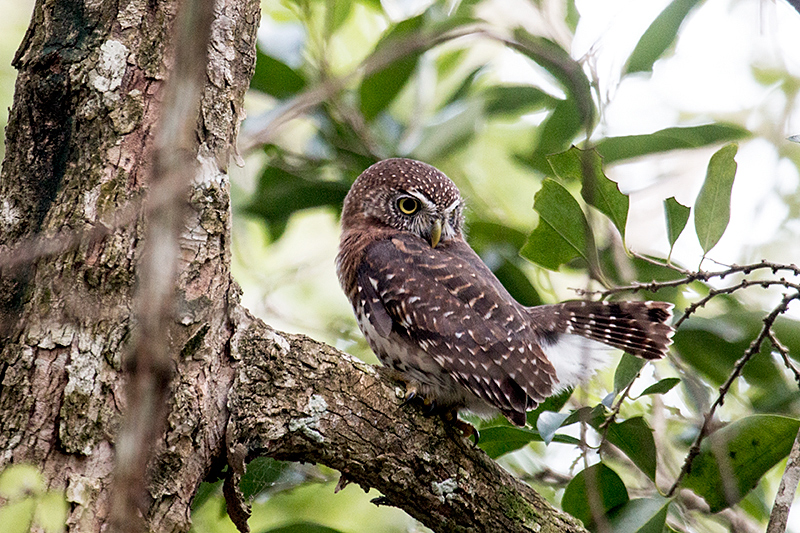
(435, 314)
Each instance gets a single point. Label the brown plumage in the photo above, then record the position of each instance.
(433, 312)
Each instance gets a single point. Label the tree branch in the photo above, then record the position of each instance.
(299, 400)
(753, 349)
(786, 491)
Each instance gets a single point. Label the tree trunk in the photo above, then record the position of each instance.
(79, 146)
(79, 150)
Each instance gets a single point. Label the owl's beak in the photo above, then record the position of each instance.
(436, 232)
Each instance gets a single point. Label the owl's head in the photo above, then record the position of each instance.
(406, 195)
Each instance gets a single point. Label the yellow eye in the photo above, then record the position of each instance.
(408, 206)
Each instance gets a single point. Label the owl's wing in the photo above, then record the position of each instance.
(448, 302)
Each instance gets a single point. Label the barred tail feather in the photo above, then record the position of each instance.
(575, 335)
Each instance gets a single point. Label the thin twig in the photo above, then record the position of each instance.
(781, 349)
(702, 275)
(616, 408)
(745, 283)
(754, 348)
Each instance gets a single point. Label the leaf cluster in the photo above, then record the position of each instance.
(418, 88)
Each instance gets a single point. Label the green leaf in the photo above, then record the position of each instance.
(51, 512)
(498, 245)
(712, 347)
(463, 90)
(18, 481)
(598, 480)
(500, 440)
(661, 387)
(635, 439)
(548, 423)
(380, 87)
(302, 527)
(733, 460)
(485, 234)
(450, 130)
(712, 210)
(552, 403)
(205, 491)
(516, 100)
(336, 13)
(572, 15)
(597, 190)
(275, 78)
(677, 215)
(563, 67)
(555, 134)
(594, 416)
(659, 36)
(16, 516)
(562, 231)
(642, 515)
(512, 277)
(627, 370)
(613, 149)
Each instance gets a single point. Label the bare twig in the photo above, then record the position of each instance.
(701, 275)
(745, 283)
(754, 348)
(615, 409)
(781, 349)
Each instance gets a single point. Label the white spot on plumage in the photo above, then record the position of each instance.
(472, 302)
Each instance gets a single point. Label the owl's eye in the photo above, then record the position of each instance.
(408, 206)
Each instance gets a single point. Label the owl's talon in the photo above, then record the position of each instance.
(429, 407)
(410, 395)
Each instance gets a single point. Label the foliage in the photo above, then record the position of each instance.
(27, 504)
(362, 86)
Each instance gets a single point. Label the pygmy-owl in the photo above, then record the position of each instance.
(433, 312)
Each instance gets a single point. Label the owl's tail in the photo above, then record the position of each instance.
(638, 328)
(575, 336)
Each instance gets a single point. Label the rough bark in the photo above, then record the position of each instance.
(79, 145)
(299, 400)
